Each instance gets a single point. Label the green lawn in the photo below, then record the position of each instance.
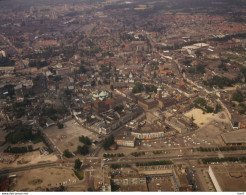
(79, 174)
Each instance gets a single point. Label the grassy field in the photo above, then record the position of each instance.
(79, 174)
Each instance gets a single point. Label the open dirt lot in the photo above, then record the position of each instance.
(68, 137)
(200, 118)
(42, 178)
(30, 158)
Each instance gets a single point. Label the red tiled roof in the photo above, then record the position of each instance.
(86, 107)
(110, 101)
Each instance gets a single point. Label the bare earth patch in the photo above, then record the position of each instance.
(39, 179)
(200, 118)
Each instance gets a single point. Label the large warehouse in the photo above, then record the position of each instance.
(228, 178)
(237, 137)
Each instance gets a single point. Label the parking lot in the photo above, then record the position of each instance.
(206, 136)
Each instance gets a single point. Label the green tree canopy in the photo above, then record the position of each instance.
(83, 150)
(84, 139)
(237, 96)
(77, 164)
(67, 153)
(108, 142)
(138, 87)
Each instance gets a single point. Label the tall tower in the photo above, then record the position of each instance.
(159, 96)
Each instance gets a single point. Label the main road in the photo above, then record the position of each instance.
(131, 160)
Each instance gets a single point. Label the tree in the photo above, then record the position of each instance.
(82, 70)
(83, 150)
(154, 74)
(119, 108)
(85, 140)
(198, 53)
(77, 164)
(60, 125)
(138, 87)
(217, 108)
(108, 142)
(93, 83)
(237, 96)
(67, 153)
(241, 108)
(192, 121)
(112, 87)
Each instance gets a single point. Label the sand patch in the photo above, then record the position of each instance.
(200, 118)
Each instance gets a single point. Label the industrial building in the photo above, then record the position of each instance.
(237, 137)
(228, 178)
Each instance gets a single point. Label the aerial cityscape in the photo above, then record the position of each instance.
(123, 95)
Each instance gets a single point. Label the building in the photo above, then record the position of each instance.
(228, 178)
(103, 95)
(102, 103)
(100, 106)
(179, 124)
(151, 132)
(159, 93)
(147, 104)
(180, 180)
(63, 71)
(127, 141)
(129, 179)
(237, 137)
(166, 102)
(172, 176)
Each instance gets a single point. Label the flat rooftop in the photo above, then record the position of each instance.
(230, 178)
(235, 137)
(163, 184)
(133, 188)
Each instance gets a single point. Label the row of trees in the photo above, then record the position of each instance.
(83, 150)
(158, 152)
(17, 150)
(23, 134)
(202, 104)
(136, 154)
(221, 82)
(232, 148)
(139, 87)
(226, 159)
(5, 61)
(163, 162)
(113, 155)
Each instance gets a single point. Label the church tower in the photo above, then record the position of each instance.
(159, 96)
